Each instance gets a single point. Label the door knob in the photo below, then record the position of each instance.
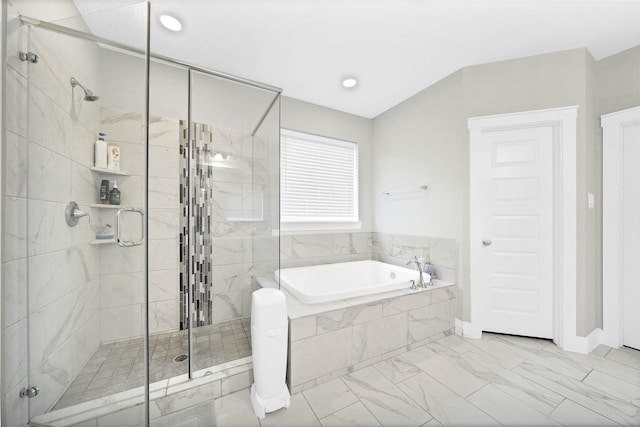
(486, 242)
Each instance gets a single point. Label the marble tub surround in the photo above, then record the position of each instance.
(302, 250)
(328, 344)
(297, 309)
(398, 249)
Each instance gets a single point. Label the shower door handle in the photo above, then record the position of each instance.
(129, 243)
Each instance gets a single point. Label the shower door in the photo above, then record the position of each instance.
(230, 193)
(79, 271)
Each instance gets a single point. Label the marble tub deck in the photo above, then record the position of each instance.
(497, 380)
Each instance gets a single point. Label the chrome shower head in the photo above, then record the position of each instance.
(88, 94)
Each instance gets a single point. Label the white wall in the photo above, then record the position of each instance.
(425, 139)
(618, 81)
(545, 81)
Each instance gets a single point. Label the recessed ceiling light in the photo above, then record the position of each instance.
(349, 82)
(170, 22)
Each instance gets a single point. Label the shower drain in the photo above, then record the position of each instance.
(180, 358)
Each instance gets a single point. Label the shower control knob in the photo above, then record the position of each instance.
(486, 242)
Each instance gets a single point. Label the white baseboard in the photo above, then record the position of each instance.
(458, 327)
(575, 344)
(584, 345)
(467, 329)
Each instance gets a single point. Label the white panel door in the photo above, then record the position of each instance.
(512, 230)
(631, 236)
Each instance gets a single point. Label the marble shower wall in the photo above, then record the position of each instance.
(51, 271)
(239, 237)
(233, 175)
(122, 274)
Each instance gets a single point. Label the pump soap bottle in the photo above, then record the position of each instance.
(100, 152)
(114, 194)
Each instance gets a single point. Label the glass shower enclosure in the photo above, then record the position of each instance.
(106, 306)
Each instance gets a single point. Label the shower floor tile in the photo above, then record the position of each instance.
(119, 366)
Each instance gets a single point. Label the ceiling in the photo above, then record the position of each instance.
(395, 48)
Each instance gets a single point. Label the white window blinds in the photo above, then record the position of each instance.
(318, 178)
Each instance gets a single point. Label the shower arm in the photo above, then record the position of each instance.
(74, 82)
(88, 93)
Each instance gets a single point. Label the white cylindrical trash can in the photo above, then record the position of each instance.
(269, 333)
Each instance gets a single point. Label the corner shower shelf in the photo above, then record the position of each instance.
(102, 241)
(108, 171)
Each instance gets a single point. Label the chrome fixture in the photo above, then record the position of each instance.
(402, 190)
(486, 242)
(119, 239)
(72, 214)
(28, 57)
(88, 94)
(421, 283)
(30, 392)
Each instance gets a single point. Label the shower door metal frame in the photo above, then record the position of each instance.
(148, 55)
(191, 144)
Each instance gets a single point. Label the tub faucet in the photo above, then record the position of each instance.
(415, 261)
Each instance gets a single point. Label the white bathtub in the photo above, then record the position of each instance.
(335, 282)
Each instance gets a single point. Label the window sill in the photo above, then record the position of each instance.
(288, 228)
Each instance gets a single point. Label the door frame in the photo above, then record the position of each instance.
(563, 121)
(612, 225)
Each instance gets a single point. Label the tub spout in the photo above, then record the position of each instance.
(422, 283)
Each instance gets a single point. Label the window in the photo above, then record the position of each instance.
(318, 180)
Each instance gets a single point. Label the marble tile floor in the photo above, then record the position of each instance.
(119, 366)
(498, 380)
(201, 415)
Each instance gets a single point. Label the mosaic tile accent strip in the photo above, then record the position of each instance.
(196, 192)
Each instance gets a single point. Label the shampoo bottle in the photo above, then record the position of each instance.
(430, 269)
(104, 192)
(114, 194)
(113, 157)
(100, 152)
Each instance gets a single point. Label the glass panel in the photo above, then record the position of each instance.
(231, 212)
(169, 105)
(14, 232)
(80, 293)
(266, 199)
